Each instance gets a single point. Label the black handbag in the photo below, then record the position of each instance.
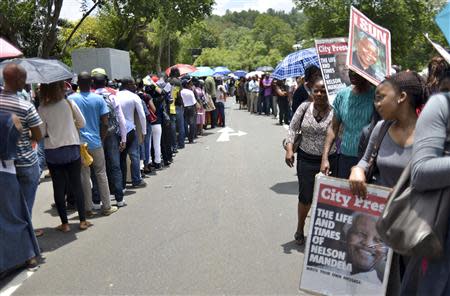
(415, 223)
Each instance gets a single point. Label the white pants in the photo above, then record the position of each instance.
(156, 141)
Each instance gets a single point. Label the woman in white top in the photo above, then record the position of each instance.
(62, 121)
(220, 102)
(312, 119)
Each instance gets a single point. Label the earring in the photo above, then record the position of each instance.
(398, 102)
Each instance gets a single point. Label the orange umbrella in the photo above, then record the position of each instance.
(7, 50)
(184, 69)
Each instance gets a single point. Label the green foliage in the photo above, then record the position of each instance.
(406, 19)
(249, 39)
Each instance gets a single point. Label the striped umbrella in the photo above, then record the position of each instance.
(294, 65)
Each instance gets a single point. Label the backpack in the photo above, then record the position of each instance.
(9, 135)
(113, 123)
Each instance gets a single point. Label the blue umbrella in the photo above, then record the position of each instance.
(203, 72)
(221, 71)
(240, 73)
(443, 21)
(294, 65)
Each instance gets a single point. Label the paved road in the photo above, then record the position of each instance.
(220, 220)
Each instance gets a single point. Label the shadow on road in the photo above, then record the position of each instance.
(54, 239)
(290, 188)
(293, 246)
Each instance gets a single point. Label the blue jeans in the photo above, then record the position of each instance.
(173, 131)
(180, 126)
(112, 162)
(41, 156)
(28, 178)
(221, 110)
(132, 150)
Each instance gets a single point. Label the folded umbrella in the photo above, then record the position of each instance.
(7, 50)
(221, 71)
(184, 69)
(203, 72)
(40, 70)
(443, 21)
(294, 65)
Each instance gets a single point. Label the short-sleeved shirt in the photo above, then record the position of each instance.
(29, 118)
(92, 106)
(354, 112)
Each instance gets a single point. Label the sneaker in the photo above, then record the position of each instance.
(121, 204)
(97, 207)
(90, 214)
(112, 197)
(157, 166)
(140, 184)
(110, 211)
(124, 190)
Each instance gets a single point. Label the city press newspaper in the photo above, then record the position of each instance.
(369, 50)
(333, 60)
(344, 254)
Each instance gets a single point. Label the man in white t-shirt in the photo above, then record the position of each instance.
(131, 104)
(190, 110)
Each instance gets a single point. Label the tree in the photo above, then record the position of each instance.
(406, 19)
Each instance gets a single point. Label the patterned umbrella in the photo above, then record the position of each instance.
(221, 71)
(7, 50)
(443, 21)
(184, 69)
(40, 70)
(294, 65)
(203, 72)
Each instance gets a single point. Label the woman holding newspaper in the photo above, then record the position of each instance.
(311, 120)
(396, 100)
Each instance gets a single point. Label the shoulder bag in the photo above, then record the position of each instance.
(298, 134)
(372, 168)
(86, 158)
(415, 223)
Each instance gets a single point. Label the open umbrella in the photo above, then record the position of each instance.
(294, 65)
(221, 71)
(254, 73)
(265, 69)
(443, 21)
(7, 50)
(40, 70)
(240, 73)
(203, 72)
(184, 69)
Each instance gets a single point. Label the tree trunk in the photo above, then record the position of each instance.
(50, 31)
(63, 50)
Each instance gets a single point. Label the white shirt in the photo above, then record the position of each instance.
(131, 103)
(188, 97)
(253, 86)
(58, 126)
(221, 93)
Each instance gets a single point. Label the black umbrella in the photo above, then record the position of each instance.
(41, 70)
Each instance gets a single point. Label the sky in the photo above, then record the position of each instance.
(71, 8)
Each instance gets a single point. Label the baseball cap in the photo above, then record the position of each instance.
(98, 71)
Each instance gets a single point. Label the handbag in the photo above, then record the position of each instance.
(86, 158)
(372, 168)
(415, 223)
(298, 134)
(209, 103)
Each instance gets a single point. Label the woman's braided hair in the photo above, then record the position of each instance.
(412, 84)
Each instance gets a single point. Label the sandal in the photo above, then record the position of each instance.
(32, 264)
(63, 228)
(38, 232)
(85, 225)
(299, 238)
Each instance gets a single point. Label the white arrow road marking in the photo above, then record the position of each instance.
(227, 132)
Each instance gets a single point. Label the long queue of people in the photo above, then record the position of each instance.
(408, 115)
(96, 141)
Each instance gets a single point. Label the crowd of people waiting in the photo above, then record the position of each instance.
(405, 119)
(93, 135)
